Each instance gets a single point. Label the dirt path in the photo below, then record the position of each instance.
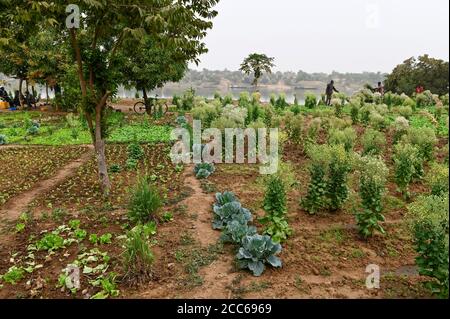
(218, 275)
(17, 205)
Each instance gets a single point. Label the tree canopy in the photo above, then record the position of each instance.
(258, 64)
(432, 74)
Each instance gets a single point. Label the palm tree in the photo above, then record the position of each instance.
(257, 64)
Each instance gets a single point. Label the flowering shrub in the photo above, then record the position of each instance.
(377, 121)
(347, 138)
(437, 179)
(276, 208)
(373, 142)
(205, 112)
(372, 187)
(408, 164)
(429, 219)
(400, 128)
(424, 139)
(310, 100)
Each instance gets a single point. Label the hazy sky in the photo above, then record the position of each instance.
(327, 35)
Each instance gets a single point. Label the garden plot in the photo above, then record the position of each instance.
(23, 167)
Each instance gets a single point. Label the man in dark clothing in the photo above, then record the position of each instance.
(329, 92)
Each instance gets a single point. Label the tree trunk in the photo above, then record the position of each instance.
(100, 148)
(144, 94)
(20, 93)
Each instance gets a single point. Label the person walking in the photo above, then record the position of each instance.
(329, 92)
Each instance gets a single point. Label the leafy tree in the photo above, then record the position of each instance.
(107, 28)
(150, 65)
(258, 64)
(432, 74)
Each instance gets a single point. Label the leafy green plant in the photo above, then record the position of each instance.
(438, 179)
(430, 226)
(354, 113)
(229, 212)
(276, 209)
(424, 139)
(235, 231)
(132, 164)
(137, 257)
(373, 175)
(256, 251)
(204, 170)
(373, 142)
(20, 227)
(13, 275)
(3, 140)
(80, 234)
(400, 128)
(144, 201)
(74, 224)
(408, 164)
(167, 217)
(310, 100)
(93, 238)
(318, 170)
(105, 239)
(50, 242)
(346, 137)
(225, 198)
(337, 188)
(135, 151)
(115, 168)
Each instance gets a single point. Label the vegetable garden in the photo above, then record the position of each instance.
(360, 183)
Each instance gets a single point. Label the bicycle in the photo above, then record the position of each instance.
(152, 106)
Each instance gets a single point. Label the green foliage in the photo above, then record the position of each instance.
(373, 175)
(115, 168)
(438, 179)
(377, 121)
(137, 257)
(337, 188)
(50, 242)
(310, 100)
(275, 207)
(258, 64)
(317, 188)
(135, 151)
(235, 231)
(429, 72)
(429, 220)
(205, 112)
(408, 164)
(424, 139)
(354, 113)
(224, 214)
(400, 127)
(144, 201)
(373, 142)
(3, 140)
(13, 275)
(346, 137)
(204, 170)
(294, 128)
(256, 251)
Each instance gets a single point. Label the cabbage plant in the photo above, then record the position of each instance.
(236, 230)
(256, 251)
(204, 170)
(224, 198)
(225, 214)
